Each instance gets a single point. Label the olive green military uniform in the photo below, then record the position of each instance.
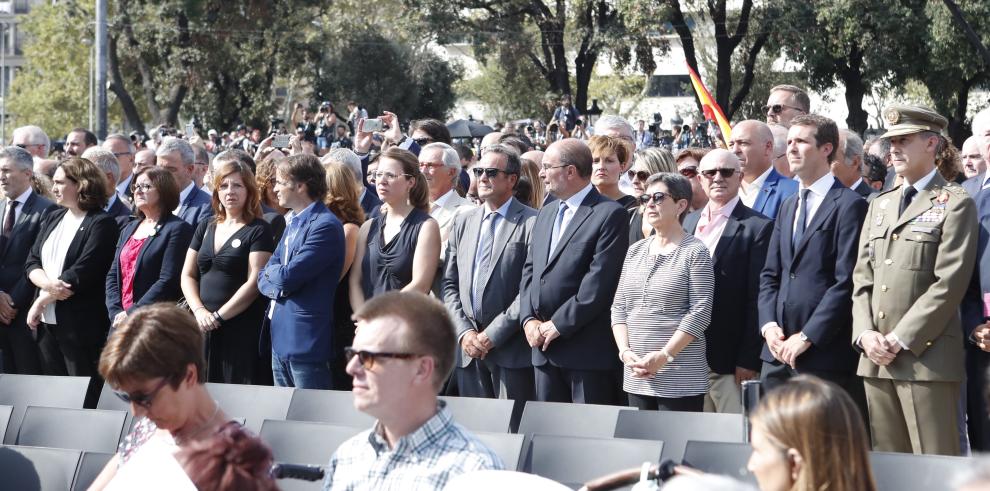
(910, 277)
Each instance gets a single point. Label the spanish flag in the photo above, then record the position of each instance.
(710, 107)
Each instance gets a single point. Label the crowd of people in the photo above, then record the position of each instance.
(596, 269)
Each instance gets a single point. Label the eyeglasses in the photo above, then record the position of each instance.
(689, 172)
(657, 197)
(367, 358)
(430, 165)
(120, 154)
(725, 173)
(548, 167)
(143, 400)
(491, 172)
(388, 176)
(422, 141)
(779, 108)
(144, 188)
(642, 175)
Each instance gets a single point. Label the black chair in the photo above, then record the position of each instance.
(725, 458)
(480, 414)
(33, 468)
(90, 466)
(327, 406)
(254, 403)
(111, 402)
(896, 471)
(91, 430)
(4, 419)
(508, 447)
(22, 391)
(675, 428)
(562, 418)
(574, 460)
(304, 442)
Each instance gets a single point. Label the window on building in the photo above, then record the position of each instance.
(669, 86)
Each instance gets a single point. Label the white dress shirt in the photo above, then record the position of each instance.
(182, 197)
(749, 192)
(20, 206)
(572, 205)
(815, 198)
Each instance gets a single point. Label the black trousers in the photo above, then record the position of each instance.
(977, 422)
(69, 352)
(20, 350)
(694, 404)
(483, 378)
(557, 384)
(775, 374)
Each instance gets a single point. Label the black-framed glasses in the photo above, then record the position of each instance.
(367, 358)
(143, 400)
(657, 198)
(725, 173)
(642, 175)
(689, 172)
(779, 108)
(491, 172)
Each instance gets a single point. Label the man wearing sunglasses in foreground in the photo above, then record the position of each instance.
(403, 352)
(737, 239)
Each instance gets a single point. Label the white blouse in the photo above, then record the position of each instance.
(53, 253)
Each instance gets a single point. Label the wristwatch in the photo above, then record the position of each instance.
(804, 337)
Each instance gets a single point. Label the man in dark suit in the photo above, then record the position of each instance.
(737, 239)
(805, 302)
(301, 277)
(178, 156)
(123, 150)
(763, 188)
(572, 271)
(848, 162)
(981, 135)
(485, 257)
(21, 212)
(104, 159)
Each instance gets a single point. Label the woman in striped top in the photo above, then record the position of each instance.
(663, 305)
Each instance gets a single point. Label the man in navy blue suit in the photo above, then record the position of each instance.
(569, 279)
(178, 156)
(301, 277)
(763, 188)
(805, 306)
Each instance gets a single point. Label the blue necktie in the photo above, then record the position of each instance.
(558, 227)
(482, 259)
(802, 217)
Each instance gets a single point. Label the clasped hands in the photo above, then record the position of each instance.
(981, 335)
(878, 348)
(540, 334)
(644, 366)
(52, 291)
(476, 344)
(785, 349)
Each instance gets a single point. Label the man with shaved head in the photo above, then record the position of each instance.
(763, 188)
(737, 239)
(575, 256)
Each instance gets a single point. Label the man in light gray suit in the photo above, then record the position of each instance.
(486, 254)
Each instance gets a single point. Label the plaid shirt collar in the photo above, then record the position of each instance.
(419, 441)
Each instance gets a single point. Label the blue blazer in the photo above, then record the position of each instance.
(198, 206)
(809, 288)
(973, 186)
(574, 286)
(158, 268)
(119, 207)
(370, 203)
(775, 190)
(301, 277)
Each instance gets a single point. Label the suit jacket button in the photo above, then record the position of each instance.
(883, 288)
(793, 276)
(928, 343)
(888, 261)
(881, 315)
(894, 237)
(543, 282)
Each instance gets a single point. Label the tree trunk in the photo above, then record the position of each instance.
(971, 35)
(679, 23)
(120, 90)
(958, 130)
(147, 76)
(852, 78)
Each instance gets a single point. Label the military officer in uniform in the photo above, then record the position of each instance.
(916, 254)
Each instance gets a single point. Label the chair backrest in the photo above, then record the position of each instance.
(725, 458)
(4, 420)
(562, 418)
(327, 406)
(32, 468)
(22, 391)
(675, 428)
(909, 471)
(508, 447)
(480, 414)
(254, 403)
(90, 466)
(574, 460)
(92, 430)
(304, 442)
(113, 403)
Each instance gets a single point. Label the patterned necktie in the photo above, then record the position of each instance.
(558, 226)
(482, 259)
(802, 217)
(8, 220)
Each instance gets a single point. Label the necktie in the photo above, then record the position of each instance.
(558, 226)
(906, 199)
(482, 259)
(8, 220)
(802, 217)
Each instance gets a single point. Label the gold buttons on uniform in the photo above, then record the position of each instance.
(883, 288)
(894, 236)
(888, 261)
(928, 343)
(882, 315)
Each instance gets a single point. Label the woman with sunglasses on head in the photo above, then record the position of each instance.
(645, 164)
(607, 157)
(154, 361)
(400, 248)
(663, 305)
(687, 161)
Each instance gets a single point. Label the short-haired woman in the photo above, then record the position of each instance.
(663, 305)
(68, 264)
(608, 156)
(808, 435)
(148, 262)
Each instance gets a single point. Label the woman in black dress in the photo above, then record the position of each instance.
(399, 249)
(219, 276)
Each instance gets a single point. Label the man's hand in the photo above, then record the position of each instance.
(533, 335)
(792, 348)
(485, 342)
(470, 345)
(744, 374)
(775, 341)
(893, 346)
(393, 133)
(981, 334)
(876, 347)
(362, 139)
(7, 310)
(549, 332)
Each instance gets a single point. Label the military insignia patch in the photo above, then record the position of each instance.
(892, 116)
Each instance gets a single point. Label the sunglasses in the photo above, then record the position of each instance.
(367, 358)
(642, 175)
(689, 172)
(725, 173)
(143, 400)
(491, 172)
(779, 108)
(657, 197)
(422, 141)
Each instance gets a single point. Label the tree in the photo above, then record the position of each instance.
(504, 96)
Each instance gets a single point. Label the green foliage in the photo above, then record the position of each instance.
(616, 92)
(507, 97)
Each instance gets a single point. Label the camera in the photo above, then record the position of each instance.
(374, 124)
